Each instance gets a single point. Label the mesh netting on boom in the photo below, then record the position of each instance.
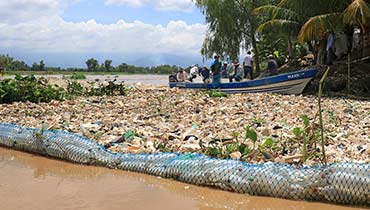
(341, 183)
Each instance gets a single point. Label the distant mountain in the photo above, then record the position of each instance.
(66, 60)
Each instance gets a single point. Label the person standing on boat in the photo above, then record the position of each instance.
(238, 73)
(272, 66)
(193, 72)
(248, 65)
(216, 70)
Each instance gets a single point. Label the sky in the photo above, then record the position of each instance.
(67, 32)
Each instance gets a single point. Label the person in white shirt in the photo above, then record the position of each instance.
(248, 65)
(193, 72)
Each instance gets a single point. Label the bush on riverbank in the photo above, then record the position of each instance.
(29, 88)
(37, 90)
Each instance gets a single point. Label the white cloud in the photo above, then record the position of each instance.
(166, 5)
(38, 27)
(15, 11)
(53, 34)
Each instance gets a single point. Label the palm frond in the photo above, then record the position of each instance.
(311, 8)
(276, 12)
(318, 26)
(357, 12)
(279, 25)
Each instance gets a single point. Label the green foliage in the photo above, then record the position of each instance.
(269, 142)
(5, 62)
(108, 65)
(306, 121)
(251, 134)
(39, 135)
(257, 121)
(10, 64)
(304, 134)
(111, 88)
(230, 26)
(162, 146)
(29, 88)
(216, 94)
(78, 76)
(92, 64)
(75, 89)
(297, 132)
(224, 150)
(129, 135)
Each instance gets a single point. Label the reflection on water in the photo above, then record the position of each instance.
(32, 182)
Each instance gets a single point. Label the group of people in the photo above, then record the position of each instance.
(220, 70)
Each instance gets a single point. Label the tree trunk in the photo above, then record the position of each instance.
(321, 52)
(256, 56)
(311, 48)
(290, 47)
(362, 40)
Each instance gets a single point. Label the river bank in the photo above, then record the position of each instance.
(154, 119)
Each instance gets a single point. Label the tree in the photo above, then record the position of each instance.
(122, 67)
(19, 66)
(42, 66)
(107, 65)
(230, 27)
(281, 20)
(92, 64)
(35, 67)
(5, 62)
(317, 19)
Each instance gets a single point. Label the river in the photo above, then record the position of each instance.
(30, 182)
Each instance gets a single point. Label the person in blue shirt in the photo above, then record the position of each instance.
(216, 70)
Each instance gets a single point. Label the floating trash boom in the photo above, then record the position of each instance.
(340, 183)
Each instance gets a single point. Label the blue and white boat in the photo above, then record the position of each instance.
(287, 83)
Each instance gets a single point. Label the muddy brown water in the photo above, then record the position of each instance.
(30, 182)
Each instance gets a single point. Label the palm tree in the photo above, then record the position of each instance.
(318, 18)
(283, 20)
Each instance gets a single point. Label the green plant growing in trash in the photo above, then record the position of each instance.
(216, 94)
(235, 135)
(251, 134)
(257, 121)
(268, 143)
(129, 135)
(39, 135)
(162, 147)
(224, 150)
(301, 133)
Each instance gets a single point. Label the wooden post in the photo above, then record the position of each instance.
(349, 74)
(320, 116)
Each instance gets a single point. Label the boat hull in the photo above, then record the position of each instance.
(288, 83)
